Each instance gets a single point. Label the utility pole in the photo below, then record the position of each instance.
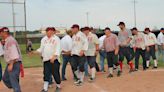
(87, 14)
(135, 15)
(14, 29)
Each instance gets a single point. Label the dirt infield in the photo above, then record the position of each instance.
(141, 81)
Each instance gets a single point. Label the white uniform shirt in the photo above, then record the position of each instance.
(66, 43)
(160, 38)
(1, 50)
(92, 42)
(140, 40)
(150, 39)
(49, 47)
(80, 43)
(101, 41)
(11, 50)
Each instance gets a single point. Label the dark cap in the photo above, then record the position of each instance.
(107, 28)
(86, 28)
(50, 28)
(134, 28)
(4, 29)
(75, 26)
(162, 28)
(121, 23)
(147, 29)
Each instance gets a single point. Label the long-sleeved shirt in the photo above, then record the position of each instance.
(49, 47)
(66, 43)
(92, 42)
(139, 40)
(150, 39)
(160, 38)
(80, 43)
(1, 49)
(111, 42)
(101, 41)
(123, 36)
(11, 50)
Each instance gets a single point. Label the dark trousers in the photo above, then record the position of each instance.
(66, 59)
(52, 69)
(97, 67)
(150, 53)
(0, 72)
(127, 53)
(137, 57)
(78, 63)
(11, 79)
(112, 59)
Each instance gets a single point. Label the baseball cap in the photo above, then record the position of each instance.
(107, 28)
(162, 28)
(121, 23)
(147, 29)
(50, 28)
(86, 28)
(134, 28)
(75, 26)
(4, 29)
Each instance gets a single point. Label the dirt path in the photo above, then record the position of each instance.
(141, 81)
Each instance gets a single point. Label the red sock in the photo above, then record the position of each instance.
(121, 65)
(131, 64)
(22, 70)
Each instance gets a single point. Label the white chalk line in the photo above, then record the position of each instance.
(99, 88)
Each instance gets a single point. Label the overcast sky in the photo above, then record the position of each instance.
(102, 13)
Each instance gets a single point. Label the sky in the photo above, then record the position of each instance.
(102, 13)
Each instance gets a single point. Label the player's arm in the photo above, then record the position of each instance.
(57, 51)
(117, 46)
(85, 45)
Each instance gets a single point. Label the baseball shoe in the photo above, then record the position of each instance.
(131, 70)
(57, 89)
(43, 90)
(119, 73)
(155, 67)
(136, 70)
(64, 79)
(91, 79)
(110, 76)
(147, 67)
(78, 83)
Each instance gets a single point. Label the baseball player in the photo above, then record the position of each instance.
(111, 46)
(124, 37)
(80, 45)
(1, 53)
(91, 53)
(160, 40)
(13, 59)
(66, 45)
(50, 51)
(102, 53)
(139, 47)
(151, 46)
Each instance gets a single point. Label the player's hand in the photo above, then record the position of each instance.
(96, 53)
(54, 57)
(116, 52)
(147, 49)
(10, 67)
(81, 53)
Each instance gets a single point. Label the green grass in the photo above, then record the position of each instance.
(35, 61)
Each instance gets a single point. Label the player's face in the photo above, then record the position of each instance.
(50, 33)
(107, 32)
(134, 32)
(74, 30)
(86, 32)
(121, 27)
